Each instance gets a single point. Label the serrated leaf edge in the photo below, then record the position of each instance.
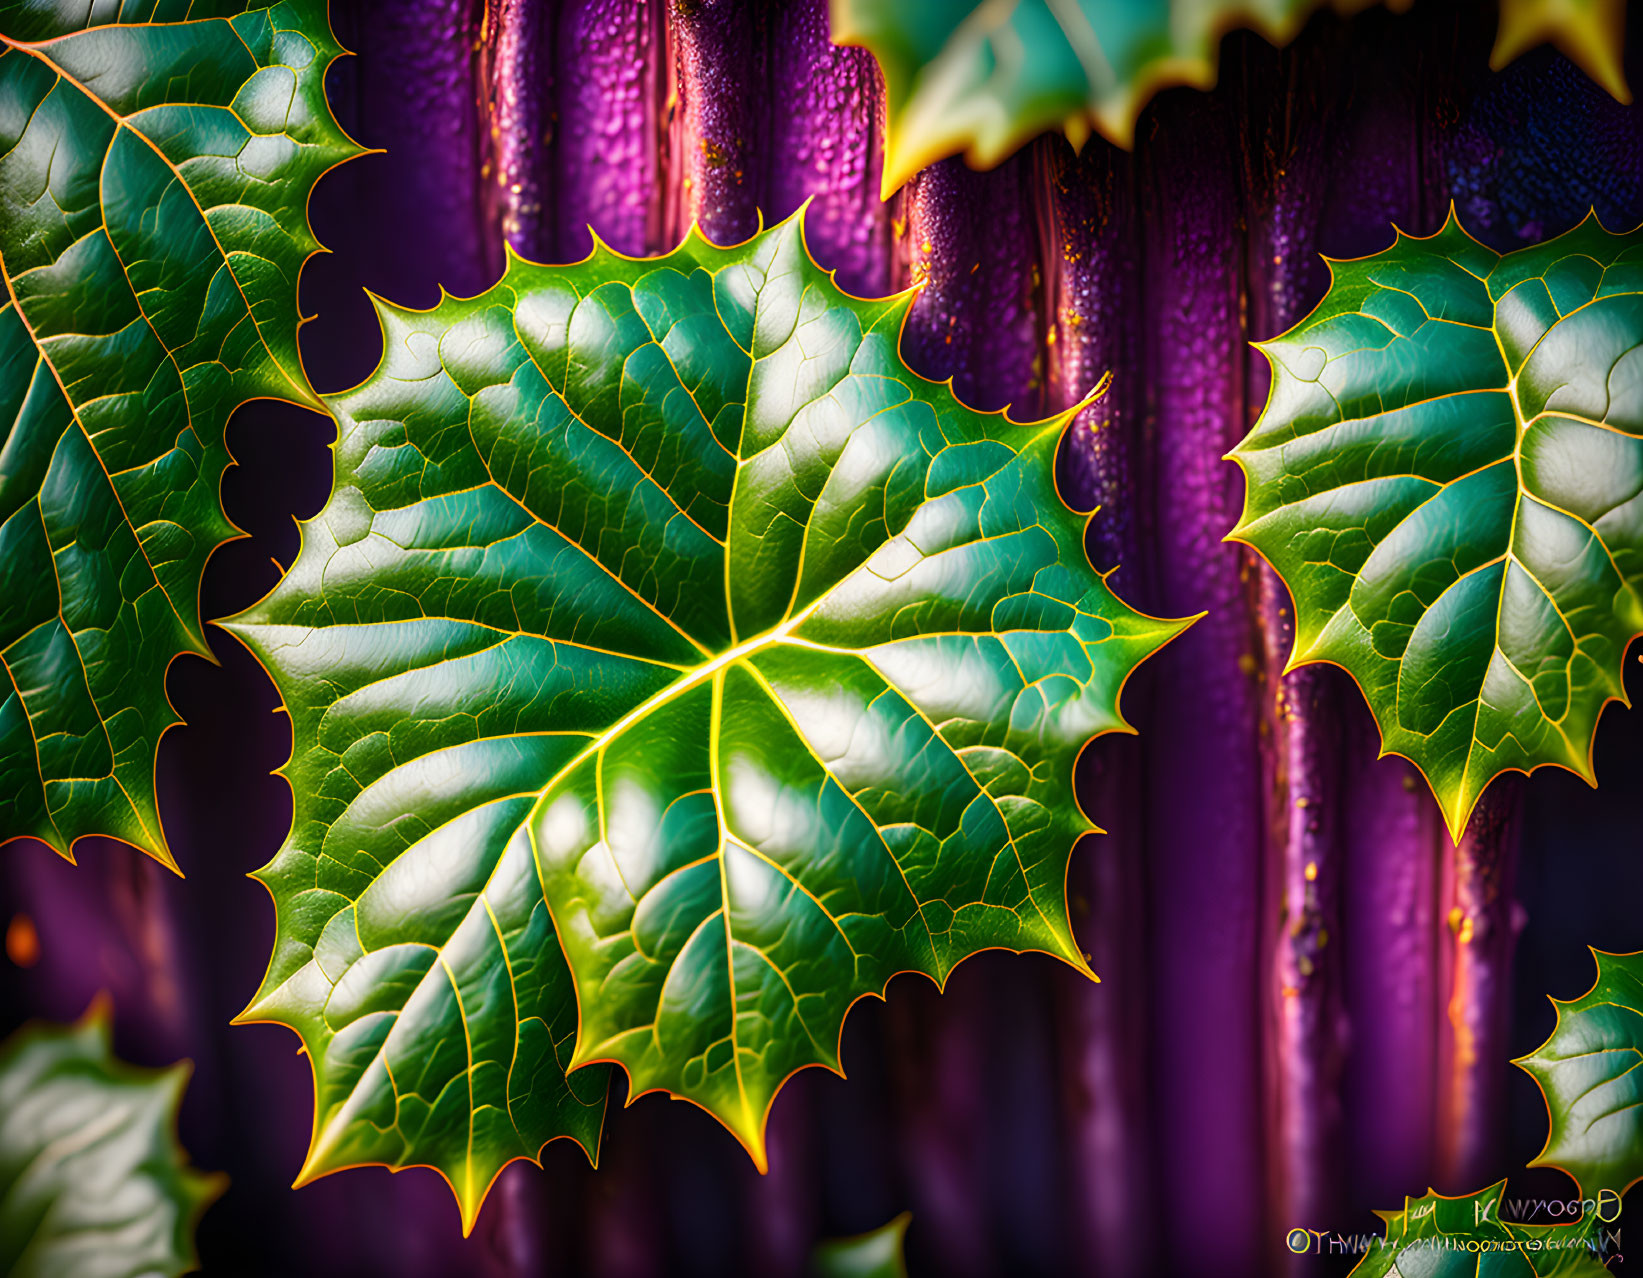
(161, 850)
(1455, 816)
(754, 1143)
(1558, 1004)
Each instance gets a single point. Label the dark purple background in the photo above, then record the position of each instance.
(1164, 1122)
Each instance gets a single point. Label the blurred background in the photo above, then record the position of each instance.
(1268, 1048)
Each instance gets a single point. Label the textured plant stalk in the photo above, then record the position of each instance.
(1393, 836)
(969, 241)
(1091, 251)
(611, 74)
(1289, 127)
(418, 96)
(516, 85)
(825, 142)
(717, 108)
(1205, 813)
(1483, 921)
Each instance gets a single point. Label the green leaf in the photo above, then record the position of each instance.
(1587, 1071)
(1464, 1237)
(985, 78)
(154, 178)
(876, 1254)
(92, 1181)
(660, 595)
(1447, 476)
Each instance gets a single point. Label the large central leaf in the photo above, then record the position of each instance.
(155, 167)
(1449, 478)
(658, 595)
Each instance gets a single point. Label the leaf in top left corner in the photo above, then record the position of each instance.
(154, 181)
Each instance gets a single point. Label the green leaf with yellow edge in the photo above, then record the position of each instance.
(92, 1181)
(1588, 1072)
(983, 77)
(154, 180)
(658, 596)
(876, 1254)
(1448, 476)
(1464, 1237)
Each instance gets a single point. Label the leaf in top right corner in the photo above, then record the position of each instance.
(1448, 476)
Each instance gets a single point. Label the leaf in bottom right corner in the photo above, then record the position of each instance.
(1588, 1072)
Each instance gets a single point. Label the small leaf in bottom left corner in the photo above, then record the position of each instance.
(93, 1183)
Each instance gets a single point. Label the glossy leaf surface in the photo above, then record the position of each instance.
(154, 178)
(1438, 1237)
(985, 78)
(92, 1183)
(658, 595)
(1448, 476)
(1587, 1071)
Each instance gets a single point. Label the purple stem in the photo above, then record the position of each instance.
(1204, 808)
(1090, 251)
(826, 144)
(717, 106)
(516, 67)
(417, 97)
(1387, 817)
(970, 241)
(1284, 102)
(613, 70)
(1483, 922)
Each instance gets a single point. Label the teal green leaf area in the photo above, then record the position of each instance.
(984, 78)
(154, 179)
(92, 1182)
(1448, 476)
(876, 1254)
(658, 606)
(1464, 1237)
(1587, 1071)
